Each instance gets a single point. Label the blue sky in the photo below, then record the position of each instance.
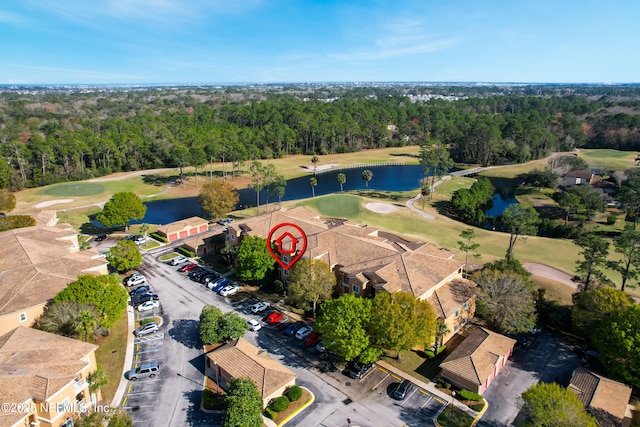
(235, 41)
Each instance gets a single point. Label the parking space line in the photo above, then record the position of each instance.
(150, 350)
(381, 381)
(143, 392)
(138, 406)
(408, 397)
(371, 371)
(425, 403)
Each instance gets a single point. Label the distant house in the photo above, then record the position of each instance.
(45, 375)
(366, 260)
(35, 264)
(605, 399)
(241, 359)
(204, 243)
(183, 228)
(578, 177)
(475, 363)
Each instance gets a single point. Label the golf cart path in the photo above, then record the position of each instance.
(550, 273)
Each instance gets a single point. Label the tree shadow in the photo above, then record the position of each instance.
(195, 416)
(377, 194)
(159, 180)
(185, 331)
(413, 156)
(443, 207)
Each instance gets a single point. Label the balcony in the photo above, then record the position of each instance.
(79, 386)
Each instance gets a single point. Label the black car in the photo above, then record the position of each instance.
(101, 238)
(402, 390)
(140, 298)
(140, 290)
(293, 328)
(357, 370)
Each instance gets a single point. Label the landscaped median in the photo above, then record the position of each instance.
(293, 408)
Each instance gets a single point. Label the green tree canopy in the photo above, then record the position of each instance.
(593, 306)
(342, 178)
(310, 282)
(367, 175)
(549, 404)
(124, 256)
(254, 259)
(63, 318)
(627, 244)
(244, 404)
(518, 221)
(594, 252)
(218, 198)
(216, 327)
(618, 341)
(343, 323)
(120, 209)
(400, 322)
(506, 300)
(104, 292)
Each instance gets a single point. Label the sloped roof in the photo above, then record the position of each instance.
(476, 357)
(36, 364)
(447, 299)
(183, 224)
(600, 393)
(581, 173)
(38, 262)
(241, 359)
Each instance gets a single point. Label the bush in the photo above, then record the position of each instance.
(442, 383)
(612, 219)
(213, 401)
(278, 287)
(294, 393)
(271, 413)
(430, 354)
(186, 252)
(279, 404)
(159, 238)
(477, 407)
(469, 395)
(146, 320)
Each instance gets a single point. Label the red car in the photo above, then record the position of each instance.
(274, 317)
(312, 339)
(187, 267)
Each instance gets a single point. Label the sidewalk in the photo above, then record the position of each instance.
(430, 387)
(128, 357)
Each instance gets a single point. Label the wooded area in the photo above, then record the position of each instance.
(48, 137)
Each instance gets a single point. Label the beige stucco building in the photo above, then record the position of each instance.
(35, 264)
(43, 378)
(183, 228)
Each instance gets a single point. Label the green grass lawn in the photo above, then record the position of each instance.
(417, 366)
(73, 189)
(609, 159)
(110, 356)
(452, 417)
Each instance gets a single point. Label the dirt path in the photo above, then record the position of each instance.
(550, 273)
(130, 174)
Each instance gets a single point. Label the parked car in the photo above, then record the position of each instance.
(293, 328)
(304, 332)
(147, 296)
(402, 390)
(101, 238)
(136, 279)
(149, 305)
(139, 290)
(225, 221)
(178, 260)
(146, 370)
(220, 284)
(229, 290)
(146, 329)
(187, 267)
(259, 307)
(253, 325)
(321, 348)
(357, 370)
(312, 339)
(275, 317)
(208, 278)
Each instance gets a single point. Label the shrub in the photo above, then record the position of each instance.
(146, 320)
(279, 404)
(442, 383)
(612, 219)
(469, 395)
(159, 238)
(278, 287)
(441, 349)
(186, 252)
(271, 413)
(477, 407)
(430, 354)
(294, 393)
(213, 401)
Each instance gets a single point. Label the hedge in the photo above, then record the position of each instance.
(470, 395)
(279, 404)
(294, 393)
(159, 238)
(430, 354)
(271, 413)
(186, 252)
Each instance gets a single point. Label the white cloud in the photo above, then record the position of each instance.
(11, 18)
(393, 48)
(69, 75)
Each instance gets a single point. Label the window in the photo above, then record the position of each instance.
(68, 423)
(63, 407)
(286, 273)
(457, 313)
(455, 328)
(356, 289)
(232, 237)
(345, 281)
(465, 306)
(464, 321)
(23, 317)
(285, 259)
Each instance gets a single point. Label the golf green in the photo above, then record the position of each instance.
(340, 206)
(71, 189)
(603, 154)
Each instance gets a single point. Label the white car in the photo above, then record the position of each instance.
(229, 290)
(136, 279)
(259, 307)
(149, 328)
(254, 325)
(304, 332)
(148, 305)
(178, 260)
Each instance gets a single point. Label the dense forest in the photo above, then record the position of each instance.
(52, 135)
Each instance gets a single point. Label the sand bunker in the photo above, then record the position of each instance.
(382, 208)
(51, 202)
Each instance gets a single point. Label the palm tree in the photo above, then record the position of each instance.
(144, 229)
(313, 182)
(87, 323)
(315, 161)
(367, 175)
(441, 330)
(97, 379)
(342, 178)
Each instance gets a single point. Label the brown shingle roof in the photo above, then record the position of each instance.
(38, 262)
(448, 298)
(36, 364)
(475, 358)
(183, 224)
(600, 393)
(241, 359)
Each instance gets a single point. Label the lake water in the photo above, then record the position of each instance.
(385, 178)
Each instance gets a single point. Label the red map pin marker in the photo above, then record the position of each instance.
(287, 243)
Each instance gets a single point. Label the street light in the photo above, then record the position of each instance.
(453, 398)
(215, 364)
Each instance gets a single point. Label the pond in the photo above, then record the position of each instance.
(504, 195)
(385, 178)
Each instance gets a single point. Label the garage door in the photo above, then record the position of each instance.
(183, 234)
(172, 237)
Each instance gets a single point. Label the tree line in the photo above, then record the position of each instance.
(48, 138)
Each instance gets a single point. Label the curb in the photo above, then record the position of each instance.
(128, 357)
(302, 408)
